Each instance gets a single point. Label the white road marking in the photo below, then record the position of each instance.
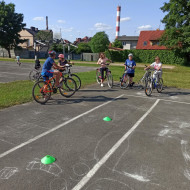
(150, 98)
(91, 173)
(56, 128)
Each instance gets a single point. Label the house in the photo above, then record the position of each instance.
(128, 42)
(149, 40)
(86, 39)
(30, 35)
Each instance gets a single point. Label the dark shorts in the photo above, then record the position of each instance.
(131, 74)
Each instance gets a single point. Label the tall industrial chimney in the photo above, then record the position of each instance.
(118, 21)
(46, 22)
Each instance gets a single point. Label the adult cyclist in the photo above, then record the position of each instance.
(47, 68)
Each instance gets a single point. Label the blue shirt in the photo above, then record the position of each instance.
(129, 65)
(47, 65)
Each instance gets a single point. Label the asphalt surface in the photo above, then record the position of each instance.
(146, 146)
(10, 71)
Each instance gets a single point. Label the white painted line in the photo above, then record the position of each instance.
(91, 173)
(56, 128)
(150, 98)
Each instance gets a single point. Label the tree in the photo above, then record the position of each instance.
(99, 42)
(117, 44)
(84, 48)
(45, 35)
(177, 27)
(11, 24)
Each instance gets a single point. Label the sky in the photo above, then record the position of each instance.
(80, 18)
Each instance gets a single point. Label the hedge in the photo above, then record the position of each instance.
(146, 56)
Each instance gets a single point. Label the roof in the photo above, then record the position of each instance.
(148, 37)
(126, 38)
(31, 31)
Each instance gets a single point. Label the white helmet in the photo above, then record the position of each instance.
(130, 55)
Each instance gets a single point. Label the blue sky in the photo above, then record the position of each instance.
(78, 18)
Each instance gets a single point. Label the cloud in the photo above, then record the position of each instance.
(38, 18)
(101, 26)
(145, 27)
(125, 19)
(61, 21)
(56, 28)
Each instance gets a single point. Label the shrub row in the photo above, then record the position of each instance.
(146, 56)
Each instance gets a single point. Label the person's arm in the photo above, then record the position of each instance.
(134, 65)
(99, 63)
(55, 66)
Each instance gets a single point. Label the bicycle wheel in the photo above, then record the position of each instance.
(68, 88)
(41, 92)
(124, 82)
(77, 80)
(141, 83)
(98, 76)
(148, 87)
(160, 85)
(34, 75)
(110, 80)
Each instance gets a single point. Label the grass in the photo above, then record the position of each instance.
(19, 92)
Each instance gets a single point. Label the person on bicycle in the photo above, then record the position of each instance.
(130, 66)
(62, 62)
(157, 65)
(37, 64)
(46, 70)
(103, 62)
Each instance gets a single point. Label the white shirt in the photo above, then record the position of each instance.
(157, 66)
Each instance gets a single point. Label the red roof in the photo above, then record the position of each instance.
(148, 39)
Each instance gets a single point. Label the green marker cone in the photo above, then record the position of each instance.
(48, 159)
(107, 119)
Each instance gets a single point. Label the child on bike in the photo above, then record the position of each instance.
(130, 66)
(157, 65)
(46, 70)
(62, 62)
(103, 62)
(37, 64)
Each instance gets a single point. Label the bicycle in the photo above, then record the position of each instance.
(125, 80)
(108, 76)
(42, 90)
(35, 75)
(150, 83)
(141, 82)
(73, 76)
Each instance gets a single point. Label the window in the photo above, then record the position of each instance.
(155, 43)
(145, 43)
(123, 43)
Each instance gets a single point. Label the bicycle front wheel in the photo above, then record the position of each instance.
(110, 80)
(41, 92)
(34, 75)
(98, 76)
(148, 87)
(77, 80)
(68, 87)
(160, 85)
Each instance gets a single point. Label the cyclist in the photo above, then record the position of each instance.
(130, 66)
(46, 70)
(157, 65)
(18, 60)
(62, 62)
(103, 62)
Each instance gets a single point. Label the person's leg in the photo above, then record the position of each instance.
(57, 74)
(102, 75)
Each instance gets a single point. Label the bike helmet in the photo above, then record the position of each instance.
(61, 56)
(52, 53)
(130, 55)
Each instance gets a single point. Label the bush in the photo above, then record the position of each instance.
(146, 56)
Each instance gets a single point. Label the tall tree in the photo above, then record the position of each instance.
(99, 42)
(11, 24)
(117, 44)
(177, 26)
(84, 48)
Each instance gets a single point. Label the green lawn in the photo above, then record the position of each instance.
(19, 92)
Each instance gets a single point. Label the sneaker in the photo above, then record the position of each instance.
(102, 85)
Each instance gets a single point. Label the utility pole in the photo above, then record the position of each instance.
(35, 51)
(69, 48)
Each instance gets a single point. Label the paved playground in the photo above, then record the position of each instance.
(10, 71)
(146, 146)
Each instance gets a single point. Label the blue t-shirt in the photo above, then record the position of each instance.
(47, 65)
(129, 65)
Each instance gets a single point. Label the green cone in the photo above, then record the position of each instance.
(107, 119)
(48, 159)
